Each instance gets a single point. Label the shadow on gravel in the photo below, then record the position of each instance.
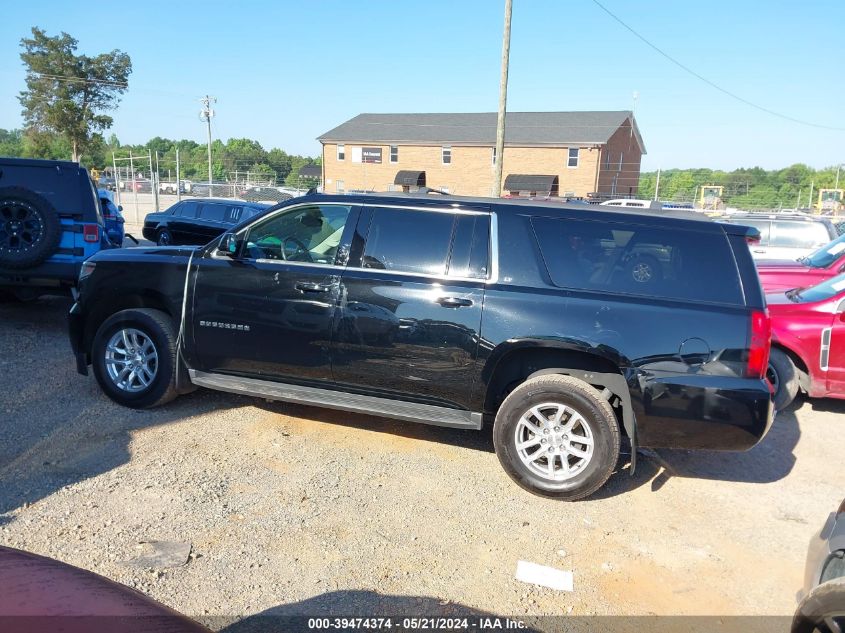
(56, 427)
(359, 604)
(771, 460)
(474, 440)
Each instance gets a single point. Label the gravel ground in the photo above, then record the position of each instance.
(286, 505)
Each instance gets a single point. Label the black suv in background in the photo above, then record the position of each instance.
(197, 221)
(454, 311)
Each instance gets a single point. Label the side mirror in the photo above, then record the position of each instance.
(120, 207)
(228, 245)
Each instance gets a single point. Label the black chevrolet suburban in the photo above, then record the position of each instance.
(565, 326)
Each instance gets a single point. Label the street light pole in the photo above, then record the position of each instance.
(206, 114)
(503, 100)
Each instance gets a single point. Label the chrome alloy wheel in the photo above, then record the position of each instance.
(554, 441)
(131, 360)
(641, 272)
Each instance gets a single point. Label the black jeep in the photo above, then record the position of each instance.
(565, 326)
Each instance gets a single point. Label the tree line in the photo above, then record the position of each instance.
(233, 158)
(745, 188)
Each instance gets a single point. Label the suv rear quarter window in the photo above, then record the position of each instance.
(797, 234)
(626, 258)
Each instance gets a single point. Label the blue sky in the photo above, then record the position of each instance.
(285, 72)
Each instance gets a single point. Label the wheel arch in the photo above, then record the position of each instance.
(108, 306)
(805, 377)
(516, 361)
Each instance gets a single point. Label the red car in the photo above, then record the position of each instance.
(824, 263)
(808, 341)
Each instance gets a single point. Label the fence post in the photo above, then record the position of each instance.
(134, 187)
(157, 183)
(178, 181)
(116, 178)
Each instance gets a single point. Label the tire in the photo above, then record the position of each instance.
(822, 610)
(142, 326)
(30, 228)
(597, 423)
(644, 270)
(164, 238)
(783, 376)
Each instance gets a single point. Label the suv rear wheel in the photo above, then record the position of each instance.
(164, 238)
(134, 358)
(557, 437)
(783, 376)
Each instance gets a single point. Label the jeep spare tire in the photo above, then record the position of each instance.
(30, 228)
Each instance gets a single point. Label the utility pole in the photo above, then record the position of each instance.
(503, 100)
(178, 181)
(657, 185)
(810, 199)
(206, 114)
(838, 167)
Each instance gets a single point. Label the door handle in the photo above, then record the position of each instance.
(759, 250)
(454, 302)
(308, 286)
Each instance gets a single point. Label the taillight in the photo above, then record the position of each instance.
(761, 340)
(91, 233)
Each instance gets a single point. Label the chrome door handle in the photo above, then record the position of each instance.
(454, 302)
(307, 286)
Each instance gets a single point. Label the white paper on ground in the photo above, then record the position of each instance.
(544, 576)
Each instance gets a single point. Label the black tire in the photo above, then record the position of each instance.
(160, 330)
(644, 270)
(822, 610)
(592, 407)
(164, 238)
(30, 228)
(784, 378)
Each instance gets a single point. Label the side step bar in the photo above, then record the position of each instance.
(330, 399)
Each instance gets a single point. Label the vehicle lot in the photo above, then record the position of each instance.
(284, 504)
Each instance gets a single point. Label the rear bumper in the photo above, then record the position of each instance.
(50, 274)
(702, 412)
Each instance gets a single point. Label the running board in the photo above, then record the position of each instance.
(330, 399)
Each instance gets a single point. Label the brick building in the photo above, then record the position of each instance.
(556, 153)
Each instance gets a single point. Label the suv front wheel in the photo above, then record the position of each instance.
(556, 436)
(134, 358)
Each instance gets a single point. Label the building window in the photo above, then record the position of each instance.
(494, 155)
(394, 153)
(573, 157)
(341, 152)
(620, 161)
(607, 158)
(339, 186)
(446, 154)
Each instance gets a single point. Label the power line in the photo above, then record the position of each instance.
(710, 83)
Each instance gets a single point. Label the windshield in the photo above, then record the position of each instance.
(826, 255)
(825, 290)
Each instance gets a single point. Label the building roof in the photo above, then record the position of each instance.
(311, 171)
(479, 128)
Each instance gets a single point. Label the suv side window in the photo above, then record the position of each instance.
(234, 214)
(470, 247)
(799, 234)
(411, 241)
(176, 209)
(642, 260)
(309, 233)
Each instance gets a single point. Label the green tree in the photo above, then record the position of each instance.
(67, 94)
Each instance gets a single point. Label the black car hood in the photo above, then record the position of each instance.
(146, 253)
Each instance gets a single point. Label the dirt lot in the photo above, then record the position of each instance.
(286, 505)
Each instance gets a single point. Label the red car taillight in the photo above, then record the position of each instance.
(91, 233)
(761, 340)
